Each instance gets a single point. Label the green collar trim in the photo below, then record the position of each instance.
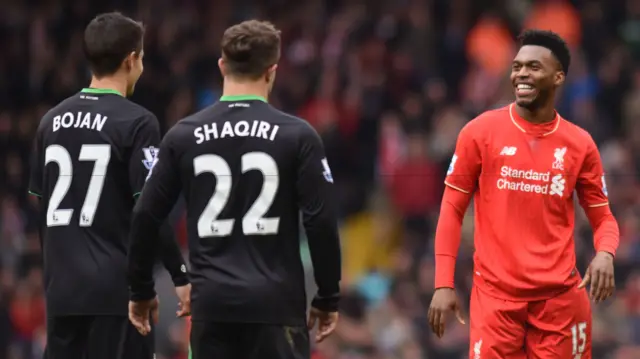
(242, 98)
(100, 91)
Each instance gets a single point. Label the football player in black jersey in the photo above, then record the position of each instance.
(91, 157)
(247, 171)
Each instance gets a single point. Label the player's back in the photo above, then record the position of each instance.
(81, 171)
(238, 163)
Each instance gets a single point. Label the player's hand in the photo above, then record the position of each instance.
(444, 302)
(600, 275)
(139, 313)
(184, 305)
(327, 322)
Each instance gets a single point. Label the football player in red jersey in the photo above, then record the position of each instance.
(521, 164)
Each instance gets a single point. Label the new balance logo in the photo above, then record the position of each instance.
(508, 151)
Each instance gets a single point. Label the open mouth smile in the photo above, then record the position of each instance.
(524, 90)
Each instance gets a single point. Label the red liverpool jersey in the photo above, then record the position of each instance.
(523, 177)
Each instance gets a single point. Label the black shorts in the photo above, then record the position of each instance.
(248, 341)
(96, 337)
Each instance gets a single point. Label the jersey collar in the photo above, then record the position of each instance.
(100, 91)
(242, 98)
(542, 129)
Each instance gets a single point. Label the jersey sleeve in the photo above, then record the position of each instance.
(36, 163)
(591, 186)
(316, 201)
(466, 162)
(152, 208)
(592, 194)
(144, 151)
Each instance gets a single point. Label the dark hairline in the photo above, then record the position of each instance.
(265, 28)
(553, 55)
(94, 26)
(549, 40)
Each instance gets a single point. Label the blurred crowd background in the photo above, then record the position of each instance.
(388, 84)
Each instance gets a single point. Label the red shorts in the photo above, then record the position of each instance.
(555, 328)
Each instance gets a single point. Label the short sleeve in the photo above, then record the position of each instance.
(144, 151)
(466, 162)
(591, 184)
(36, 163)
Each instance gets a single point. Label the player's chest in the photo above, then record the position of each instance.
(522, 163)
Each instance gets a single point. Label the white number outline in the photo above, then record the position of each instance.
(253, 222)
(208, 224)
(579, 337)
(59, 155)
(100, 155)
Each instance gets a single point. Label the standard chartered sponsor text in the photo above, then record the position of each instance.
(529, 181)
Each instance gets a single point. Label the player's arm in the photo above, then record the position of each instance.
(317, 204)
(592, 194)
(160, 194)
(461, 181)
(143, 156)
(171, 255)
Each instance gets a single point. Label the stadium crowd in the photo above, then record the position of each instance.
(388, 85)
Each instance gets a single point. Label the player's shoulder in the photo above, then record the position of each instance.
(118, 109)
(575, 133)
(297, 131)
(63, 106)
(113, 104)
(138, 111)
(297, 125)
(127, 111)
(492, 117)
(486, 121)
(183, 131)
(573, 130)
(184, 127)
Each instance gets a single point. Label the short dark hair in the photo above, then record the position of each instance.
(250, 48)
(109, 39)
(549, 40)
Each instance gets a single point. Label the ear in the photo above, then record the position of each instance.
(129, 61)
(271, 72)
(559, 78)
(221, 65)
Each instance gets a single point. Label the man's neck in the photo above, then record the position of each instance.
(539, 115)
(109, 83)
(236, 89)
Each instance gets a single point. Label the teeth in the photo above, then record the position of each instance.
(525, 87)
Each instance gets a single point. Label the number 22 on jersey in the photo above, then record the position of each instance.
(100, 155)
(253, 222)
